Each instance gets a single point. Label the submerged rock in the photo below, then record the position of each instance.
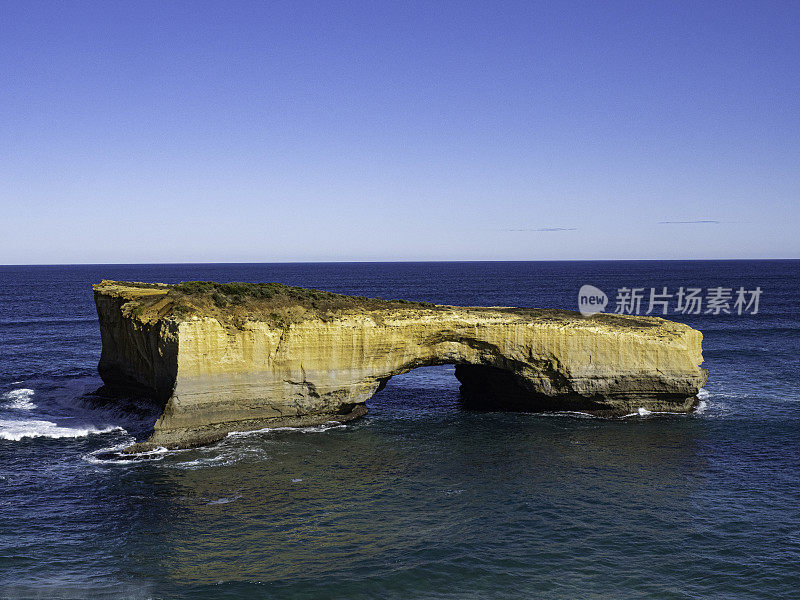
(240, 357)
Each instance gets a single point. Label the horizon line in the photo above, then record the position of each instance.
(396, 261)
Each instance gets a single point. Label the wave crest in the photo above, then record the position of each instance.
(35, 428)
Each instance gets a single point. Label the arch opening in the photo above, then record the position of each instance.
(473, 387)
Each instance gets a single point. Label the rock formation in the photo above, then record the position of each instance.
(239, 357)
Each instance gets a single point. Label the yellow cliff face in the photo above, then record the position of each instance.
(216, 374)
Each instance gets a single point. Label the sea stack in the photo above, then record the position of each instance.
(241, 357)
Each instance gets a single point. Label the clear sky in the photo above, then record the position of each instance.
(229, 131)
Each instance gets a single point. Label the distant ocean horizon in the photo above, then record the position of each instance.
(421, 498)
(394, 261)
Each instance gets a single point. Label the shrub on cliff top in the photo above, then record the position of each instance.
(245, 289)
(240, 300)
(194, 288)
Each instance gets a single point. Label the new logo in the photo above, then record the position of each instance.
(591, 300)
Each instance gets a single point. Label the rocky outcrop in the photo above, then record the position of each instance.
(222, 361)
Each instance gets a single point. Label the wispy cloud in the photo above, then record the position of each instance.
(543, 229)
(700, 222)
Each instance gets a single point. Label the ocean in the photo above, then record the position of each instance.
(421, 498)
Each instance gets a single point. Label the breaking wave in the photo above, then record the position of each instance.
(19, 399)
(35, 428)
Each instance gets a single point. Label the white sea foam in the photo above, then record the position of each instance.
(113, 455)
(105, 455)
(701, 407)
(225, 500)
(34, 428)
(220, 460)
(643, 412)
(154, 452)
(703, 394)
(223, 454)
(312, 429)
(638, 413)
(217, 455)
(575, 414)
(19, 399)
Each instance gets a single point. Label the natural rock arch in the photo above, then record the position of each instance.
(217, 375)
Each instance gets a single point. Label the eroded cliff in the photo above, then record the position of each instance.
(238, 357)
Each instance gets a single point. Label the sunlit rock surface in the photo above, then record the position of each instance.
(223, 358)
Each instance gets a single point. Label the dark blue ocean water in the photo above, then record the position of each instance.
(421, 498)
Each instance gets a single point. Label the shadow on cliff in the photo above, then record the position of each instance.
(135, 410)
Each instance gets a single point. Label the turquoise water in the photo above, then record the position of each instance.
(421, 498)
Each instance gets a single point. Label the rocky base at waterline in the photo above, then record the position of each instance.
(240, 357)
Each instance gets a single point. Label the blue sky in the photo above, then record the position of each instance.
(229, 131)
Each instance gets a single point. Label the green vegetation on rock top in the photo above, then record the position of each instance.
(238, 301)
(238, 292)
